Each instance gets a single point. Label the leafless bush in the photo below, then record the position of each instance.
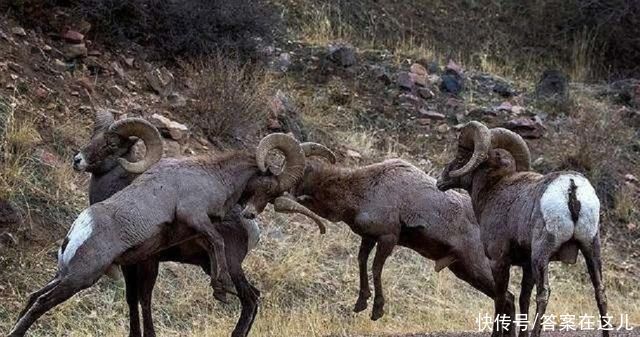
(231, 99)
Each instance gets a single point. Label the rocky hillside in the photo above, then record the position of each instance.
(365, 101)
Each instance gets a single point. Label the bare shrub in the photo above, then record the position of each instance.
(231, 99)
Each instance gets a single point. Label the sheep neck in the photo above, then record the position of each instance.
(333, 191)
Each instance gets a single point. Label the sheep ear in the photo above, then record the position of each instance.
(444, 262)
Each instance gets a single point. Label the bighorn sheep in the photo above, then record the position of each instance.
(525, 218)
(109, 177)
(175, 198)
(392, 203)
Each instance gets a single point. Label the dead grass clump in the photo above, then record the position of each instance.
(231, 99)
(29, 179)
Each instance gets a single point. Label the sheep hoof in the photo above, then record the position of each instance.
(221, 296)
(377, 313)
(361, 304)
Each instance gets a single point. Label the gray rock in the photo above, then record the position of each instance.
(382, 75)
(405, 81)
(426, 93)
(433, 67)
(282, 62)
(504, 90)
(161, 80)
(176, 100)
(553, 86)
(74, 51)
(167, 127)
(452, 82)
(432, 114)
(343, 55)
(19, 31)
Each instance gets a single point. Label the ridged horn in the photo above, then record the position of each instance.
(502, 138)
(138, 127)
(288, 205)
(294, 158)
(314, 149)
(474, 135)
(102, 121)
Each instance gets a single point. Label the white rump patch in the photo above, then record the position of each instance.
(554, 206)
(78, 234)
(253, 231)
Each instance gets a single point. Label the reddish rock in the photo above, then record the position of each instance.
(73, 36)
(41, 93)
(454, 66)
(418, 69)
(527, 127)
(47, 158)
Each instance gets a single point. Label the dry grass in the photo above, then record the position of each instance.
(37, 187)
(309, 284)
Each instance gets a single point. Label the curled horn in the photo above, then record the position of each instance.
(294, 158)
(288, 205)
(474, 135)
(103, 120)
(314, 149)
(138, 127)
(506, 139)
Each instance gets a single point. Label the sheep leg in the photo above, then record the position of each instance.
(57, 294)
(129, 273)
(236, 251)
(525, 294)
(593, 260)
(540, 267)
(475, 270)
(500, 271)
(366, 246)
(385, 247)
(34, 296)
(147, 275)
(220, 278)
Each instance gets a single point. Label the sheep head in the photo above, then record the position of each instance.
(112, 140)
(267, 187)
(481, 148)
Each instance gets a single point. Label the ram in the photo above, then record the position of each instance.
(99, 158)
(175, 198)
(390, 203)
(526, 219)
